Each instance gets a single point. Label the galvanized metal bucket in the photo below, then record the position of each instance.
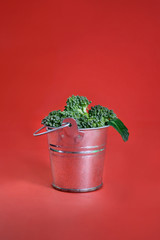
(76, 155)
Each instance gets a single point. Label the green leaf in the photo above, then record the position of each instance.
(120, 127)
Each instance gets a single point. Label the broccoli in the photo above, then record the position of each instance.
(97, 116)
(77, 105)
(102, 114)
(54, 119)
(106, 117)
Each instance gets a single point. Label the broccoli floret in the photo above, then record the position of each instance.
(54, 119)
(105, 117)
(91, 122)
(102, 114)
(77, 104)
(97, 116)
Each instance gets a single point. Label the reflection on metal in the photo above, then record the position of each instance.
(80, 152)
(77, 190)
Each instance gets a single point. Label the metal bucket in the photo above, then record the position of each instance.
(77, 156)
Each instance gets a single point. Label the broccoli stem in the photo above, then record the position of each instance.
(120, 127)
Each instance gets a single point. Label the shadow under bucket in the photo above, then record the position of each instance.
(77, 156)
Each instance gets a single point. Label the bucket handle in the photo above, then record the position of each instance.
(55, 129)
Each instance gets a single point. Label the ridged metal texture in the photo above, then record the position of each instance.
(77, 157)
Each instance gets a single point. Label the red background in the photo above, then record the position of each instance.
(109, 52)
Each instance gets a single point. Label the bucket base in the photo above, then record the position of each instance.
(77, 190)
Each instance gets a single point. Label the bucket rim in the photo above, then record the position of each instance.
(83, 129)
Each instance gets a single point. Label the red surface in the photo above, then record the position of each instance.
(109, 52)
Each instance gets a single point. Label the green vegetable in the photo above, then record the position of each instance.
(77, 108)
(120, 127)
(77, 104)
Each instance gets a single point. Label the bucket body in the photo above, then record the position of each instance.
(77, 157)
